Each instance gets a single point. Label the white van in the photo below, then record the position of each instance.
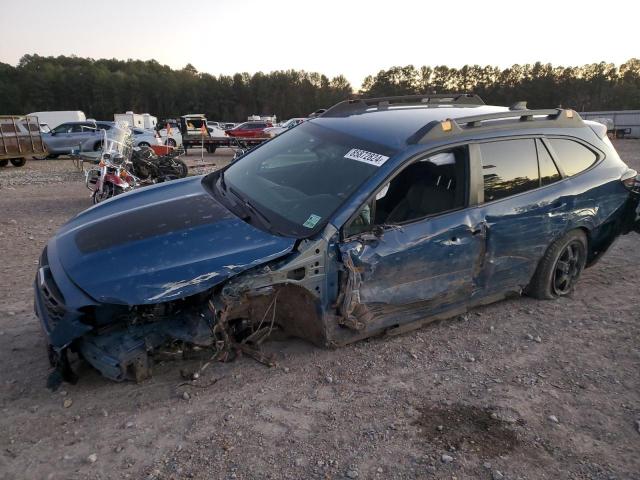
(55, 118)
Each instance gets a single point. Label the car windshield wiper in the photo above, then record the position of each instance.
(262, 216)
(222, 182)
(253, 212)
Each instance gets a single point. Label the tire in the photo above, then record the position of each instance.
(18, 162)
(40, 157)
(108, 191)
(144, 144)
(211, 149)
(4, 163)
(53, 156)
(182, 168)
(560, 267)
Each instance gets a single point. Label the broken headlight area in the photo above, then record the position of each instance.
(124, 342)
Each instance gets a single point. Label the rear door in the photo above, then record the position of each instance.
(523, 208)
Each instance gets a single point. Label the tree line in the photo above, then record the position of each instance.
(106, 86)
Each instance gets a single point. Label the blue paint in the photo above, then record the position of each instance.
(201, 251)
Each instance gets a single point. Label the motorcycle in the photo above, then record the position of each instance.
(111, 177)
(239, 147)
(152, 168)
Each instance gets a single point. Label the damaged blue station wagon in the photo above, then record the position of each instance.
(376, 217)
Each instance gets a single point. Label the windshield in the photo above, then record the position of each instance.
(299, 179)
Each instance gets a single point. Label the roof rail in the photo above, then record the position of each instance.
(360, 105)
(437, 130)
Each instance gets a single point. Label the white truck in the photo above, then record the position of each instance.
(56, 118)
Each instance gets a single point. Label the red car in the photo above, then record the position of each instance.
(249, 130)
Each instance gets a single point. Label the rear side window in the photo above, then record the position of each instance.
(572, 157)
(548, 170)
(509, 167)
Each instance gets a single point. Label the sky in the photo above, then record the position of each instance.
(350, 37)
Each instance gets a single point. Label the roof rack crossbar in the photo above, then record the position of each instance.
(436, 130)
(362, 104)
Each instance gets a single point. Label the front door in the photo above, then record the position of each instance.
(424, 253)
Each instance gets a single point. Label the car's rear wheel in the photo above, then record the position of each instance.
(53, 156)
(560, 268)
(4, 163)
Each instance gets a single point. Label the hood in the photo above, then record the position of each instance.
(161, 243)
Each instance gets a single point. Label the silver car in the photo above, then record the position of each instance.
(85, 136)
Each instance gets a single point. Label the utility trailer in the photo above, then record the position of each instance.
(20, 138)
(619, 123)
(196, 134)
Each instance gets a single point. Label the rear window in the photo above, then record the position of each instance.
(509, 167)
(572, 157)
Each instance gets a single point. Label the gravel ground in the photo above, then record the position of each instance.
(521, 389)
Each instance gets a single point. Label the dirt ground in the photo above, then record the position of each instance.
(521, 389)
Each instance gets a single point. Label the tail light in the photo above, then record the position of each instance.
(631, 180)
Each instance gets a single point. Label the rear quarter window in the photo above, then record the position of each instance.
(572, 157)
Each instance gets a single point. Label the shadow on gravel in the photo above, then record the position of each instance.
(466, 427)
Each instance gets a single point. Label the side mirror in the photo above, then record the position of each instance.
(378, 231)
(53, 134)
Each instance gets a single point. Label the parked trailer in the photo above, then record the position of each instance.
(20, 138)
(150, 122)
(135, 120)
(621, 124)
(195, 136)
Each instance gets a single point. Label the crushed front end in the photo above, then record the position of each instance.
(288, 294)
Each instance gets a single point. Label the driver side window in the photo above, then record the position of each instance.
(429, 186)
(64, 128)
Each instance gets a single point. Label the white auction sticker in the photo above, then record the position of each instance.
(366, 157)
